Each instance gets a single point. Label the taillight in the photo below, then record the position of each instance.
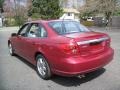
(108, 42)
(70, 48)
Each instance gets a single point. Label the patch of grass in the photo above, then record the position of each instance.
(88, 23)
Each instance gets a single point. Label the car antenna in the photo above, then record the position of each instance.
(63, 22)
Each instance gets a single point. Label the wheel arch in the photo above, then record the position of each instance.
(49, 72)
(37, 53)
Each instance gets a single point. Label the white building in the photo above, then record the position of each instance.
(71, 8)
(71, 14)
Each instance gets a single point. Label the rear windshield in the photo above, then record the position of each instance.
(67, 27)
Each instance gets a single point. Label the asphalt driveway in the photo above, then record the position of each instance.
(17, 74)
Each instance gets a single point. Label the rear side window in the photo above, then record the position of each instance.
(67, 27)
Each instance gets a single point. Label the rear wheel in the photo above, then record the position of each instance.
(43, 68)
(11, 51)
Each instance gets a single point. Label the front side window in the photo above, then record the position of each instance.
(37, 30)
(67, 27)
(33, 31)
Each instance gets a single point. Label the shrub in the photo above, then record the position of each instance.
(88, 23)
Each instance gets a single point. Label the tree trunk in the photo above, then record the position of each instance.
(108, 18)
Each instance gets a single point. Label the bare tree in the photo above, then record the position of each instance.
(107, 7)
(15, 10)
(20, 12)
(63, 3)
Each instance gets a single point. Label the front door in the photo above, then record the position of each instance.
(19, 46)
(36, 35)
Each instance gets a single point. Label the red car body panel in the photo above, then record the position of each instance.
(89, 58)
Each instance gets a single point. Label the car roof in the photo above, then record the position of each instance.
(37, 21)
(60, 20)
(45, 21)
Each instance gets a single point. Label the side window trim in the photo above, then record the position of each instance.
(29, 26)
(40, 25)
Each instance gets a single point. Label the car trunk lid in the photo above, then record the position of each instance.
(90, 42)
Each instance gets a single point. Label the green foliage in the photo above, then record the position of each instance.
(15, 21)
(85, 15)
(117, 13)
(9, 22)
(19, 20)
(47, 9)
(35, 16)
(1, 5)
(88, 23)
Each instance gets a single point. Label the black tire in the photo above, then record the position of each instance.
(11, 51)
(40, 64)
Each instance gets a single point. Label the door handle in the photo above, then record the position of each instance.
(33, 43)
(18, 37)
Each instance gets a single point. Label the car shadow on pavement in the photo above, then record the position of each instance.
(25, 62)
(76, 81)
(69, 81)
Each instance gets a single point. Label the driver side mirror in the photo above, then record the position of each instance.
(13, 34)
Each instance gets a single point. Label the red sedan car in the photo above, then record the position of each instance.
(62, 47)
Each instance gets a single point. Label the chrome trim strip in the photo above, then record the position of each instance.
(94, 40)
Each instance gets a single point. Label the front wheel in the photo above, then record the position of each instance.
(11, 51)
(43, 68)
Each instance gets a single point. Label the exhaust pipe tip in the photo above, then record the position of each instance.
(81, 76)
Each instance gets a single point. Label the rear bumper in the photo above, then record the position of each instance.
(78, 65)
